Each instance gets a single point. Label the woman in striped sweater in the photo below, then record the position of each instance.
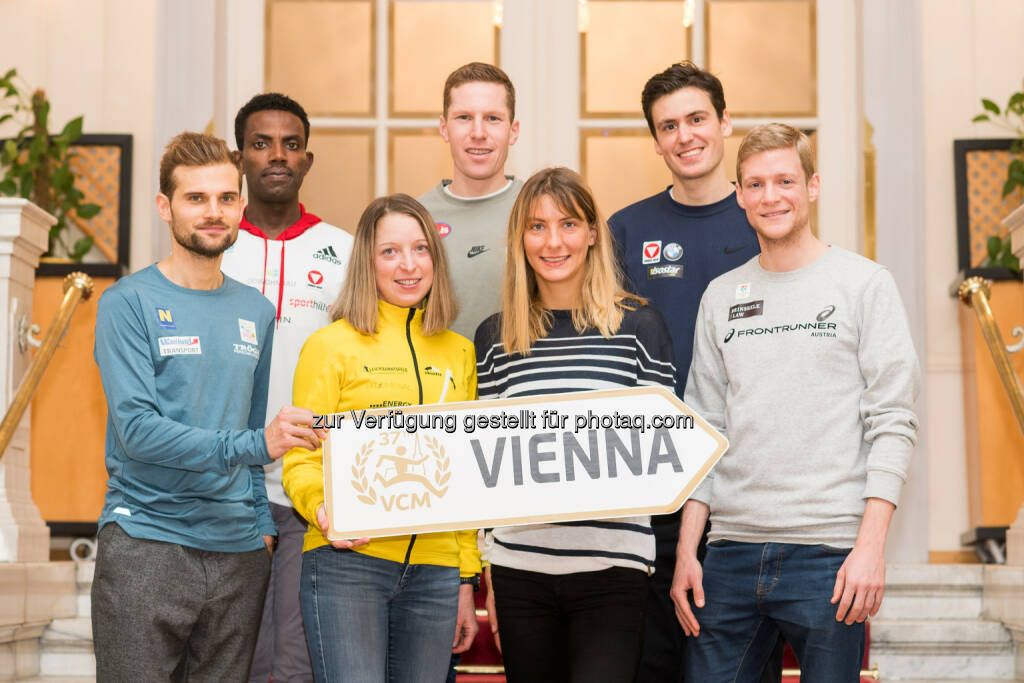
(570, 596)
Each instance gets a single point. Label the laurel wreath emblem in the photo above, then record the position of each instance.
(364, 490)
(442, 471)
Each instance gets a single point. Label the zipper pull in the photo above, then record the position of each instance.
(444, 391)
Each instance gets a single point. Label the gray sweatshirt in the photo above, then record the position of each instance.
(473, 232)
(811, 375)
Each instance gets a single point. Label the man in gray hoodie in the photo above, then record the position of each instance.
(803, 359)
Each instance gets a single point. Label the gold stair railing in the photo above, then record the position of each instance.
(974, 292)
(77, 288)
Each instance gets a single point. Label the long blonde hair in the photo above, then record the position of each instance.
(357, 301)
(602, 299)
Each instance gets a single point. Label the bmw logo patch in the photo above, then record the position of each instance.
(672, 251)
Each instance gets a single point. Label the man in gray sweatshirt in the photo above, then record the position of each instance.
(803, 359)
(471, 209)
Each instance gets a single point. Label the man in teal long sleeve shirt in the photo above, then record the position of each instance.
(184, 354)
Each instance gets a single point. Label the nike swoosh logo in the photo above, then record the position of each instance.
(732, 250)
(476, 251)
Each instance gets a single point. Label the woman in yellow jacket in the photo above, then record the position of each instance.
(385, 609)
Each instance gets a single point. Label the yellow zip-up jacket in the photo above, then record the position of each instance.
(341, 369)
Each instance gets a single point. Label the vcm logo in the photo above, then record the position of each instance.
(402, 464)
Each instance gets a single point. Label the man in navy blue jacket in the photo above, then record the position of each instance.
(184, 355)
(672, 245)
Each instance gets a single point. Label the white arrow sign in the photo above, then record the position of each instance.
(550, 458)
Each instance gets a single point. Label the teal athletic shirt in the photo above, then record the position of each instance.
(185, 372)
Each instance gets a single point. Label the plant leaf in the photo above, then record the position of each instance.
(87, 211)
(991, 106)
(1015, 102)
(10, 151)
(993, 245)
(8, 188)
(81, 248)
(11, 73)
(62, 179)
(1009, 187)
(27, 183)
(73, 130)
(979, 118)
(1016, 170)
(37, 148)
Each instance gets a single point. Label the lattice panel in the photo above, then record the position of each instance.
(98, 172)
(986, 174)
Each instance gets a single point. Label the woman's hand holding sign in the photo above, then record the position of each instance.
(321, 519)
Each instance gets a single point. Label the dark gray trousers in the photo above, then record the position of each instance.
(167, 612)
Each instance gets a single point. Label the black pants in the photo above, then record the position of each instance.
(570, 628)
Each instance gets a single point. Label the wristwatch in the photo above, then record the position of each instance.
(473, 581)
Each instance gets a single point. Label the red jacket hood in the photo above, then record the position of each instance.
(305, 222)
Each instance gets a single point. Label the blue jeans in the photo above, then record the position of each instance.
(370, 620)
(753, 591)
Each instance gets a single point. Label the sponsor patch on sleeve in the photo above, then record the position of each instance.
(179, 346)
(748, 310)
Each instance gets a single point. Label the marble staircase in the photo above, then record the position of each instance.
(65, 649)
(938, 623)
(934, 626)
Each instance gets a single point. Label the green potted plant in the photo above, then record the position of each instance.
(1011, 118)
(36, 165)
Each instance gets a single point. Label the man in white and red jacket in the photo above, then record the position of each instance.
(299, 263)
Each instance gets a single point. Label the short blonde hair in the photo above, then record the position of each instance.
(483, 73)
(602, 299)
(769, 136)
(357, 301)
(193, 149)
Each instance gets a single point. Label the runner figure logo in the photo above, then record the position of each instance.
(402, 471)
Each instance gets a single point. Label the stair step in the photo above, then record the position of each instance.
(945, 668)
(940, 636)
(929, 629)
(951, 591)
(76, 631)
(66, 663)
(938, 577)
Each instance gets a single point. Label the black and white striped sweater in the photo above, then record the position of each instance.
(638, 354)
